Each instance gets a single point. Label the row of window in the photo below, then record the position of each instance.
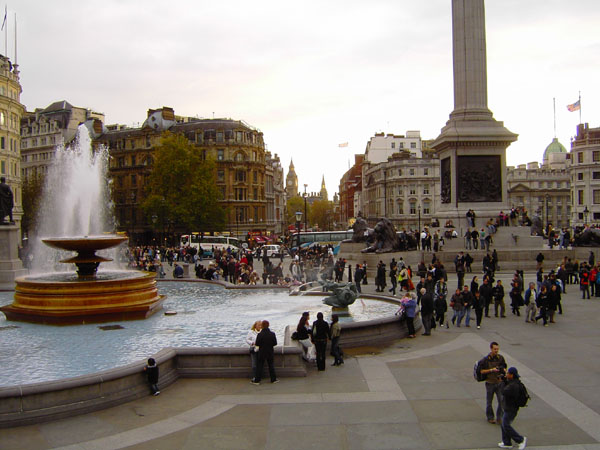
(9, 168)
(595, 156)
(13, 144)
(413, 145)
(226, 135)
(11, 93)
(12, 120)
(45, 156)
(411, 172)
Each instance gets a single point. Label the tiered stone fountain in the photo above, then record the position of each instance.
(63, 298)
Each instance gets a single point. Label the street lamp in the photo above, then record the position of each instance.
(586, 211)
(305, 215)
(419, 210)
(547, 223)
(154, 219)
(298, 220)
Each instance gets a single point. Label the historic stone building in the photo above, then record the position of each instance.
(291, 182)
(585, 175)
(381, 146)
(11, 111)
(275, 193)
(46, 128)
(405, 189)
(349, 191)
(241, 159)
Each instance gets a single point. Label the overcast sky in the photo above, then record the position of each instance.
(310, 74)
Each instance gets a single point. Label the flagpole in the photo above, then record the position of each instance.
(554, 105)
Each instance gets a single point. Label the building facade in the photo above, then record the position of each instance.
(585, 175)
(381, 146)
(43, 130)
(237, 148)
(350, 184)
(403, 189)
(11, 111)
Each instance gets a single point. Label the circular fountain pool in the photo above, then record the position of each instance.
(207, 316)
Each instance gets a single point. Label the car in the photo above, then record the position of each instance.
(272, 250)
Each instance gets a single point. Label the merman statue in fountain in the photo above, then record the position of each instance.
(344, 294)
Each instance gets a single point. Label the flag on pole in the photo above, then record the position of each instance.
(344, 144)
(574, 106)
(5, 15)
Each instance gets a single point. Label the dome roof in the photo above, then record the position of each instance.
(554, 147)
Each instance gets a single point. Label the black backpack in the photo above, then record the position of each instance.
(479, 365)
(523, 396)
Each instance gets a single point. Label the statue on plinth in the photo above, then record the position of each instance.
(344, 294)
(386, 239)
(361, 231)
(6, 202)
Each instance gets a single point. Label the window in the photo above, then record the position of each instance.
(239, 136)
(426, 207)
(401, 145)
(393, 145)
(199, 137)
(425, 171)
(255, 193)
(400, 207)
(239, 157)
(255, 177)
(3, 142)
(413, 208)
(220, 154)
(580, 157)
(133, 160)
(240, 175)
(413, 145)
(219, 136)
(400, 190)
(220, 175)
(580, 176)
(596, 196)
(411, 171)
(134, 179)
(3, 167)
(426, 189)
(580, 197)
(596, 156)
(222, 190)
(240, 193)
(121, 162)
(399, 172)
(412, 190)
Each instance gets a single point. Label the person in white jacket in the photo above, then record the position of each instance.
(251, 341)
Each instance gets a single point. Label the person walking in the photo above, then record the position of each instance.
(336, 331)
(467, 299)
(426, 311)
(266, 342)
(478, 305)
(542, 302)
(498, 293)
(456, 303)
(530, 303)
(486, 291)
(511, 391)
(393, 276)
(358, 277)
(440, 305)
(320, 334)
(494, 367)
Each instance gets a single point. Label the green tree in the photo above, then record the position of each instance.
(296, 204)
(321, 214)
(32, 188)
(182, 187)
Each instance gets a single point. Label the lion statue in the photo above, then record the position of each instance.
(386, 239)
(362, 232)
(590, 237)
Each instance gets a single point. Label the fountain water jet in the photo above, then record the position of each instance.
(75, 203)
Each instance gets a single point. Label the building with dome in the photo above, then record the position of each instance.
(555, 153)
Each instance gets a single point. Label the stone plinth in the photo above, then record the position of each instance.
(10, 264)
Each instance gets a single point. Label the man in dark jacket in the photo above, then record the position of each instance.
(486, 295)
(498, 293)
(320, 333)
(467, 299)
(511, 388)
(426, 311)
(265, 341)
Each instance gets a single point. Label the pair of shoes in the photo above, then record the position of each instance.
(523, 444)
(156, 393)
(277, 381)
(503, 445)
(254, 382)
(552, 321)
(545, 324)
(447, 327)
(527, 321)
(504, 317)
(491, 421)
(478, 327)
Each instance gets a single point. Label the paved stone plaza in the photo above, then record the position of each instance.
(415, 394)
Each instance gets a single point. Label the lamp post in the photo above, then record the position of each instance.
(547, 223)
(305, 215)
(154, 219)
(419, 210)
(298, 220)
(586, 211)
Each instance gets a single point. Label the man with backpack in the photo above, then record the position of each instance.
(492, 367)
(514, 396)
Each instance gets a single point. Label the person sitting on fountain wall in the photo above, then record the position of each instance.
(152, 373)
(178, 271)
(6, 201)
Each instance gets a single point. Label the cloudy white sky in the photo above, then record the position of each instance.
(310, 74)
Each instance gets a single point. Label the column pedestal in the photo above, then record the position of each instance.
(10, 264)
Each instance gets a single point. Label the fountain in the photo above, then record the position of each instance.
(74, 204)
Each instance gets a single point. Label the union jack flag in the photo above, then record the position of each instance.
(574, 106)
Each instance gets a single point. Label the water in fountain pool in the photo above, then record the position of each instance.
(207, 316)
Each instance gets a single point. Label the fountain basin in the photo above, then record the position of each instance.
(62, 299)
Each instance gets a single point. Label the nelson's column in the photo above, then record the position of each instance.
(472, 145)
